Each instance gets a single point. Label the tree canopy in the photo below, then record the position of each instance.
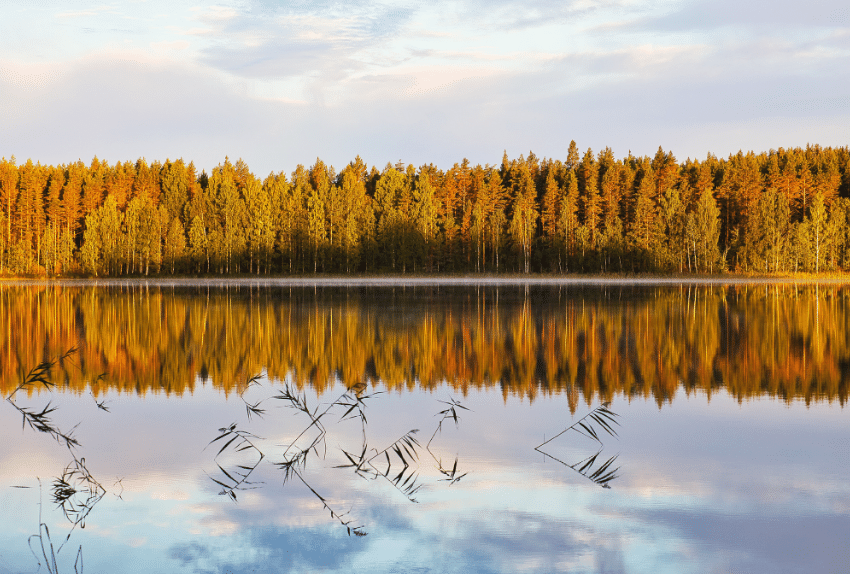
(774, 212)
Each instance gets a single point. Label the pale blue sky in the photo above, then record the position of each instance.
(279, 83)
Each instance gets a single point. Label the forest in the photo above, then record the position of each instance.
(786, 210)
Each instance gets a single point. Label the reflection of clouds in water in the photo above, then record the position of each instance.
(270, 550)
(519, 541)
(757, 543)
(726, 496)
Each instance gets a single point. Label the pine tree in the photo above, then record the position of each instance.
(643, 232)
(93, 186)
(572, 156)
(315, 224)
(589, 191)
(72, 196)
(30, 218)
(425, 214)
(8, 199)
(550, 208)
(568, 222)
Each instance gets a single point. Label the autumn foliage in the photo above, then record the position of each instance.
(781, 211)
(587, 343)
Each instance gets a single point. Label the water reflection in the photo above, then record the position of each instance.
(598, 470)
(591, 343)
(75, 492)
(398, 463)
(698, 485)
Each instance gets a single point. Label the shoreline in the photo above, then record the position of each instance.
(433, 280)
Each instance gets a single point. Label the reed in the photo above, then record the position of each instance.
(76, 491)
(591, 425)
(397, 464)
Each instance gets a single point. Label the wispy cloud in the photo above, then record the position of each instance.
(473, 79)
(88, 12)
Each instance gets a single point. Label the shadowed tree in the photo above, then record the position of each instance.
(568, 222)
(425, 214)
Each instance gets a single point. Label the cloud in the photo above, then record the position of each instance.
(277, 57)
(268, 81)
(766, 15)
(291, 42)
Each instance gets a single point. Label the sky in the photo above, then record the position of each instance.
(278, 83)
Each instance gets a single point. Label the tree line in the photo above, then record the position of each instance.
(591, 345)
(778, 211)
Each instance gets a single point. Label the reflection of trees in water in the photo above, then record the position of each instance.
(781, 340)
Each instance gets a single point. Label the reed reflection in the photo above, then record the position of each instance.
(75, 491)
(590, 343)
(399, 463)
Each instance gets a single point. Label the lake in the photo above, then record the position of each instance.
(235, 426)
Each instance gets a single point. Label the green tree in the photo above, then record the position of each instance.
(111, 238)
(354, 213)
(674, 222)
(261, 225)
(424, 211)
(198, 244)
(644, 230)
(391, 220)
(315, 224)
(524, 216)
(175, 184)
(175, 245)
(818, 229)
(29, 214)
(568, 222)
(707, 223)
(588, 175)
(90, 251)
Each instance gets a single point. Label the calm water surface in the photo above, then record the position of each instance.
(730, 450)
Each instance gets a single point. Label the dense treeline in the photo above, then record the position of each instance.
(589, 344)
(786, 210)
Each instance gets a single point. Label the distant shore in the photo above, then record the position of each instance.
(381, 280)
